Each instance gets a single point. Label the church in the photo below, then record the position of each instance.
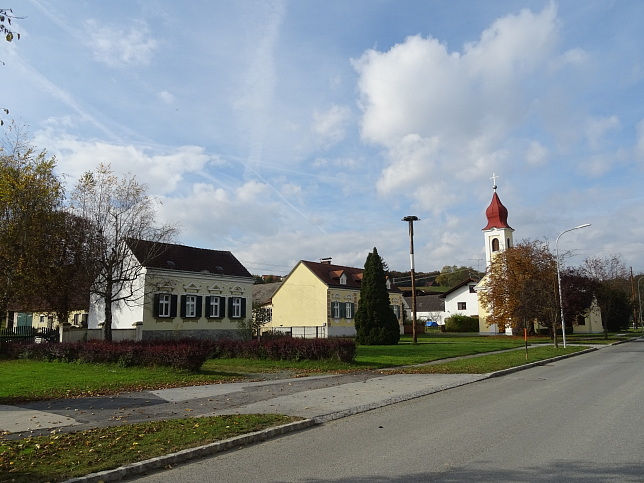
(498, 237)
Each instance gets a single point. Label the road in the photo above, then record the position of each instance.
(579, 419)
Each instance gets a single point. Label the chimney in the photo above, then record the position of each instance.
(326, 261)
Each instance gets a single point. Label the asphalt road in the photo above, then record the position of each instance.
(579, 419)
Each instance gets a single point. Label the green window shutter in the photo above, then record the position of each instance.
(199, 305)
(243, 308)
(155, 306)
(173, 306)
(343, 312)
(222, 307)
(183, 306)
(230, 307)
(208, 313)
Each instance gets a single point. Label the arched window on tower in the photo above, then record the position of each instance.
(495, 244)
(508, 244)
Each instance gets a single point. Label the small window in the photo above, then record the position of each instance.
(237, 307)
(336, 310)
(348, 310)
(191, 306)
(462, 305)
(164, 305)
(472, 289)
(343, 279)
(215, 306)
(495, 245)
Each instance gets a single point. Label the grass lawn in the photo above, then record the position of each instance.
(490, 362)
(52, 380)
(61, 456)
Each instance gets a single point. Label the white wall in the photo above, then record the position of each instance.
(462, 295)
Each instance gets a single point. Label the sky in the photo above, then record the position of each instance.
(300, 130)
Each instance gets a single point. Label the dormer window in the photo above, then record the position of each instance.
(343, 279)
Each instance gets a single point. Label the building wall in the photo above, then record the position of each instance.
(462, 295)
(300, 301)
(177, 284)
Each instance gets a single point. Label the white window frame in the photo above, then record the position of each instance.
(165, 299)
(347, 310)
(191, 306)
(215, 303)
(335, 310)
(237, 308)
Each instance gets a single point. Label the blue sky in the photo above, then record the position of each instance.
(289, 130)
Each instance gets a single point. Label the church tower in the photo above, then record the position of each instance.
(497, 232)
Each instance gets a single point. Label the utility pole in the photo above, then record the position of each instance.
(410, 220)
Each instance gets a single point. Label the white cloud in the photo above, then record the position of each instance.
(444, 114)
(166, 97)
(598, 127)
(116, 46)
(162, 171)
(536, 154)
(330, 127)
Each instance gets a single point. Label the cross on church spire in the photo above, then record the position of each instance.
(493, 178)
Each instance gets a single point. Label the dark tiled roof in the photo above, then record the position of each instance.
(263, 292)
(428, 303)
(187, 259)
(330, 274)
(469, 281)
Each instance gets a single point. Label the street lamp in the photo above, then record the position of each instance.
(411, 220)
(639, 297)
(563, 324)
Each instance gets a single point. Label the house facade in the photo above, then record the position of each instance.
(183, 292)
(320, 299)
(462, 299)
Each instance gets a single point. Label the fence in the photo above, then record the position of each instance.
(27, 334)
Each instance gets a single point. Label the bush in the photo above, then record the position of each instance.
(185, 354)
(461, 323)
(288, 349)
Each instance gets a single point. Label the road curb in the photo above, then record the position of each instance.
(182, 456)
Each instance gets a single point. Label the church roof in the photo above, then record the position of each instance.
(497, 214)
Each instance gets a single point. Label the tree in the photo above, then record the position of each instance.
(579, 291)
(66, 268)
(375, 321)
(613, 292)
(123, 215)
(6, 16)
(451, 275)
(521, 288)
(30, 195)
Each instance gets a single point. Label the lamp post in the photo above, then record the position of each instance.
(639, 297)
(563, 324)
(411, 220)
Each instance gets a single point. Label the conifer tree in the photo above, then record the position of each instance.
(375, 321)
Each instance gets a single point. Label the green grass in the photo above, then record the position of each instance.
(491, 362)
(61, 456)
(32, 380)
(53, 380)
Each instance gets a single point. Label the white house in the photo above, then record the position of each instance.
(462, 299)
(182, 292)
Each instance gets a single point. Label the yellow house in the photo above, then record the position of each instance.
(319, 299)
